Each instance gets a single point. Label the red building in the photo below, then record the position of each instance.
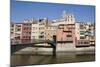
(26, 32)
(66, 33)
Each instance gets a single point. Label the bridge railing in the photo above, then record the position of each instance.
(29, 41)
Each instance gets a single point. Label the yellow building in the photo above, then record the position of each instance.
(50, 31)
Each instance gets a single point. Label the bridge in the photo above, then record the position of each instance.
(18, 46)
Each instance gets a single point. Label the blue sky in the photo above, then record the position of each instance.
(28, 10)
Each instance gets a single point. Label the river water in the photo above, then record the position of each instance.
(35, 59)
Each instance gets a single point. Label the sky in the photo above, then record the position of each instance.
(28, 10)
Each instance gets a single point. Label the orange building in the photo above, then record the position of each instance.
(66, 33)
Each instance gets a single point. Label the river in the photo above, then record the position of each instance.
(35, 59)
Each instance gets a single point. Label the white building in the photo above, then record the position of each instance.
(67, 18)
(35, 31)
(38, 29)
(17, 32)
(83, 33)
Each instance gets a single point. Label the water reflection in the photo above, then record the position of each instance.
(31, 59)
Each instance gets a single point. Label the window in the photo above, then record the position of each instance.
(42, 32)
(18, 29)
(12, 25)
(71, 16)
(29, 32)
(12, 32)
(12, 29)
(86, 42)
(81, 37)
(67, 31)
(41, 36)
(29, 37)
(69, 35)
(81, 42)
(81, 33)
(71, 19)
(78, 42)
(68, 19)
(18, 26)
(23, 36)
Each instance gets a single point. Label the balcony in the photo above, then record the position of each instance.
(67, 30)
(68, 39)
